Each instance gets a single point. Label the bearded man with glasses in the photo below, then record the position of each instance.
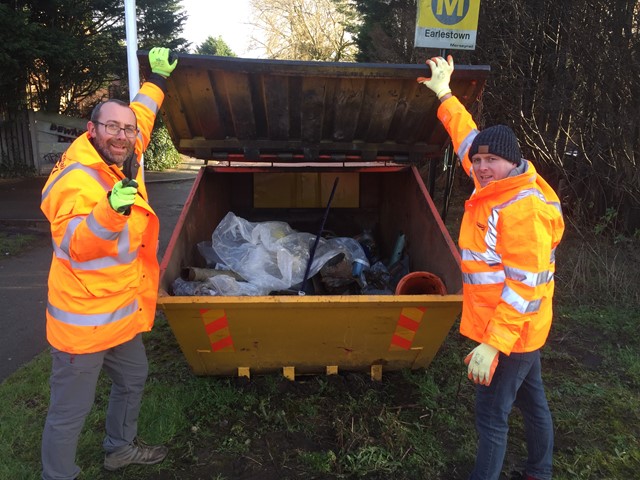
(103, 281)
(114, 143)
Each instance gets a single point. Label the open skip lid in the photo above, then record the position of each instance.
(281, 111)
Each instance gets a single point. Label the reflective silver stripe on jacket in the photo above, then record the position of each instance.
(77, 166)
(147, 101)
(483, 278)
(100, 231)
(531, 279)
(61, 251)
(124, 257)
(68, 233)
(97, 263)
(465, 145)
(524, 194)
(492, 259)
(520, 304)
(93, 320)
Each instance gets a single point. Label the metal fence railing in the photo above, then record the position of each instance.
(16, 150)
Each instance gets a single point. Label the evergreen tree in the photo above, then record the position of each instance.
(66, 50)
(17, 52)
(385, 30)
(215, 46)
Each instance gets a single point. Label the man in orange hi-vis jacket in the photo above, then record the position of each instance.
(511, 227)
(103, 280)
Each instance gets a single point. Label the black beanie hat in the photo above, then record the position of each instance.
(499, 140)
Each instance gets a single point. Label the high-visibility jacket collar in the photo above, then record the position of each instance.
(509, 183)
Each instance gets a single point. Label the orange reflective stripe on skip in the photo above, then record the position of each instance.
(217, 328)
(406, 328)
(398, 342)
(408, 323)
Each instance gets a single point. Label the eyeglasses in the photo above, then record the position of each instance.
(113, 129)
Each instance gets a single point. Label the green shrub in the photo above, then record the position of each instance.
(161, 153)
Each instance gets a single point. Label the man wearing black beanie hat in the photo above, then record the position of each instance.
(511, 227)
(497, 141)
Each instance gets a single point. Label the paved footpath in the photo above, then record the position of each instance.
(23, 278)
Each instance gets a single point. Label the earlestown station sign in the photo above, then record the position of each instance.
(447, 24)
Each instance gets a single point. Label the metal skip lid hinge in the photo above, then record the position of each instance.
(254, 154)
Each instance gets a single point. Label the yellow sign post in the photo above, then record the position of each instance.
(447, 24)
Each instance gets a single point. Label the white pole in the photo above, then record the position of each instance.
(132, 47)
(131, 31)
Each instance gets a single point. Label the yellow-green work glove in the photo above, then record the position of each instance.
(160, 60)
(481, 363)
(123, 195)
(441, 71)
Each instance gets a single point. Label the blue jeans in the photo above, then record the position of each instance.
(517, 380)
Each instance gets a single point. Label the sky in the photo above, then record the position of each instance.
(225, 18)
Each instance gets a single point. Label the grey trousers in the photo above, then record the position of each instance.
(73, 386)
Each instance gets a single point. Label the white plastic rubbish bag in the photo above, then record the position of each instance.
(270, 255)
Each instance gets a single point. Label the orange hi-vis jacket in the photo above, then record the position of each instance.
(508, 238)
(104, 274)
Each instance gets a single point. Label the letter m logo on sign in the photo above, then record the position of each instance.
(450, 12)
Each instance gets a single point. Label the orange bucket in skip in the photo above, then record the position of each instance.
(420, 283)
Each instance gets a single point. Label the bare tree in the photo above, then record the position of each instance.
(566, 76)
(303, 29)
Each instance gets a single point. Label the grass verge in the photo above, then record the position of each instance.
(412, 425)
(13, 243)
